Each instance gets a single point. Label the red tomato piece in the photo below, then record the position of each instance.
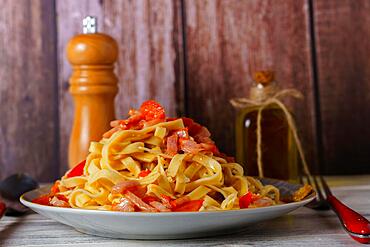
(144, 173)
(190, 206)
(246, 200)
(43, 200)
(180, 201)
(152, 110)
(77, 170)
(54, 189)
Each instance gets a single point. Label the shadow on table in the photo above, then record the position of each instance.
(10, 229)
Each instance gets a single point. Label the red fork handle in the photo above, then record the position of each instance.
(2, 209)
(356, 225)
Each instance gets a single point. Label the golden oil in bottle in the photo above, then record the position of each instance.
(279, 152)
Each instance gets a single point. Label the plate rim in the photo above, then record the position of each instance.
(32, 205)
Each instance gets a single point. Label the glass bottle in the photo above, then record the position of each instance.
(279, 152)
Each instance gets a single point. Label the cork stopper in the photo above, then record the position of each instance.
(265, 86)
(91, 47)
(264, 77)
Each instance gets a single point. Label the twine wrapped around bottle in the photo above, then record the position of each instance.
(272, 97)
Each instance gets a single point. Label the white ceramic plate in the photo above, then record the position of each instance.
(162, 225)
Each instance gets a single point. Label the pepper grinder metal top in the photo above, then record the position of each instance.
(93, 86)
(90, 24)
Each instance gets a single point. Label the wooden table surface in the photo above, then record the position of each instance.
(304, 227)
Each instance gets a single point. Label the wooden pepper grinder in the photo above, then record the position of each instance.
(93, 86)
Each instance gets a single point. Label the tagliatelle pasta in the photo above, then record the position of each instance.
(152, 164)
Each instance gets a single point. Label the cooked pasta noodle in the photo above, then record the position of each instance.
(165, 165)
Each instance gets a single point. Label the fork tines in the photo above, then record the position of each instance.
(322, 189)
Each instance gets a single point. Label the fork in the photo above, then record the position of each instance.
(356, 225)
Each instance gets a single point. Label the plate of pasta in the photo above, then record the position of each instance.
(153, 177)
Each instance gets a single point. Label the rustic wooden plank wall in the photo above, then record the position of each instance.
(148, 65)
(229, 40)
(69, 14)
(146, 32)
(192, 56)
(342, 31)
(28, 95)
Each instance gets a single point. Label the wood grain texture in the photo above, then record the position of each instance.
(28, 100)
(146, 32)
(342, 31)
(70, 14)
(149, 63)
(304, 227)
(226, 41)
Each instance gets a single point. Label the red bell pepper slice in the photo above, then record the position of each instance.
(144, 173)
(247, 199)
(55, 188)
(179, 201)
(43, 200)
(77, 170)
(190, 206)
